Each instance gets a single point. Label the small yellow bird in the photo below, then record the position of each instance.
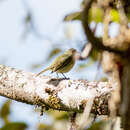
(63, 63)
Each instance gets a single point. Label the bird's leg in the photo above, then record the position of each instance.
(51, 72)
(64, 76)
(57, 75)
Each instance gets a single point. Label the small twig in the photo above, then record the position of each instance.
(85, 51)
(73, 125)
(85, 114)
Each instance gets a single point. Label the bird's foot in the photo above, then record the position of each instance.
(65, 77)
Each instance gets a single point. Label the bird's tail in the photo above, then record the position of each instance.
(43, 71)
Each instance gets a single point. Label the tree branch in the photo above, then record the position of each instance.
(59, 94)
(125, 95)
(85, 51)
(96, 42)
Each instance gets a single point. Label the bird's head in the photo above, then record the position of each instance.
(72, 52)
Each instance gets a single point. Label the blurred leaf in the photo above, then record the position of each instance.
(128, 16)
(59, 115)
(44, 127)
(35, 66)
(95, 14)
(73, 16)
(94, 54)
(63, 116)
(54, 52)
(85, 65)
(115, 15)
(104, 79)
(28, 18)
(14, 126)
(96, 126)
(5, 111)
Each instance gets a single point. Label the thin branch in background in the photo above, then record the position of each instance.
(29, 24)
(73, 125)
(85, 51)
(85, 116)
(98, 67)
(110, 66)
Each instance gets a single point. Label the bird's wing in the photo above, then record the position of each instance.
(61, 62)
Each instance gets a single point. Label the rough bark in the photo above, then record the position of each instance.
(59, 94)
(125, 95)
